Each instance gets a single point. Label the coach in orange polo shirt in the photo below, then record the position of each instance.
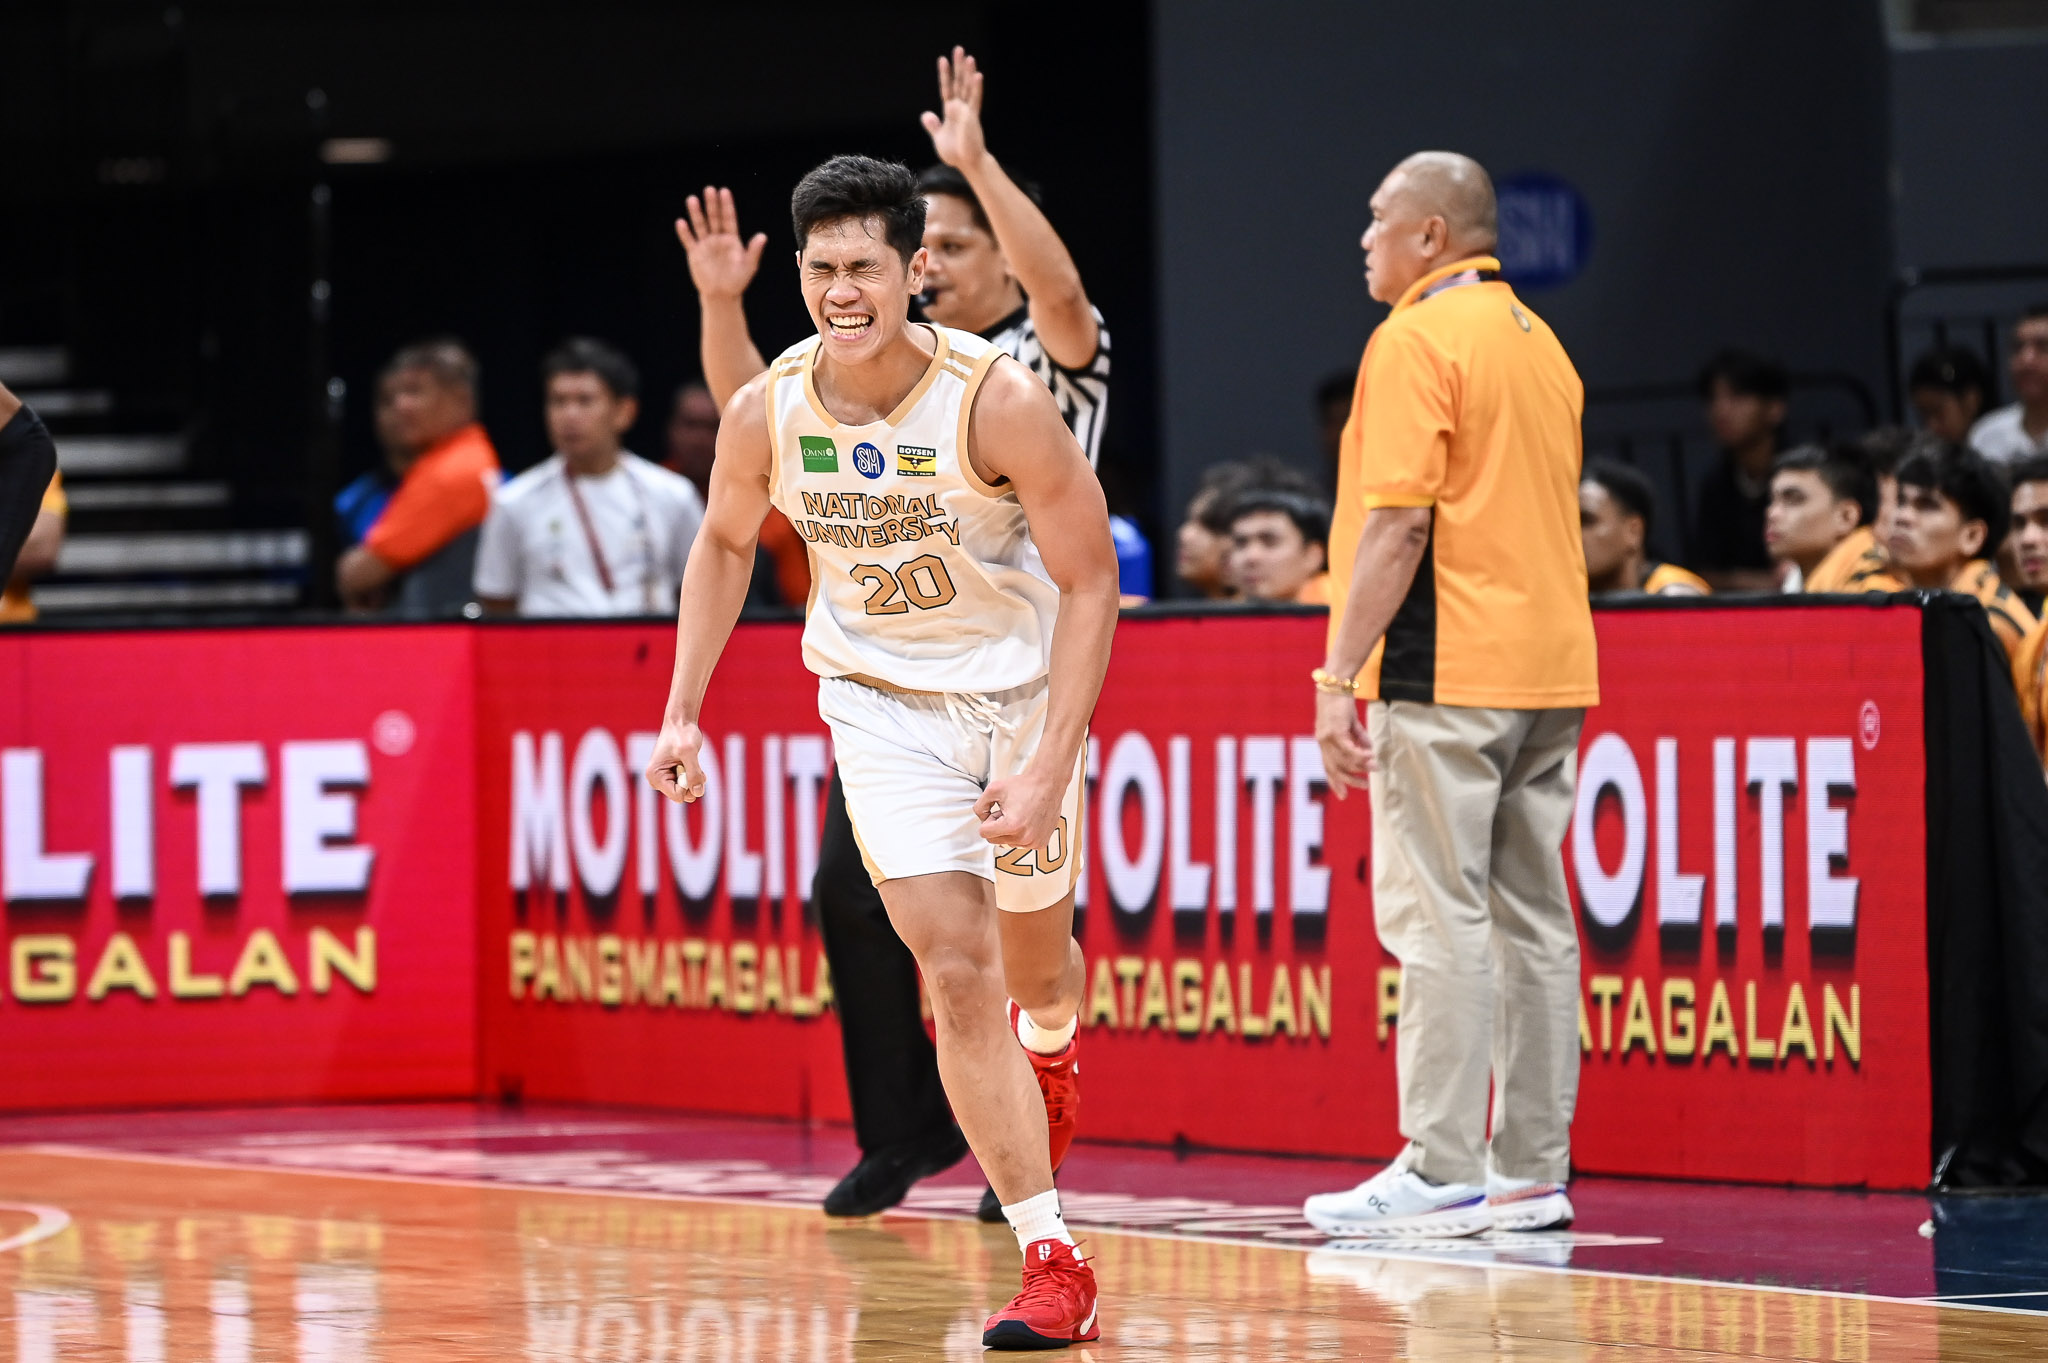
(417, 554)
(1458, 612)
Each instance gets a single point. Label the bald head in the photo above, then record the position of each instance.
(1458, 190)
(1434, 208)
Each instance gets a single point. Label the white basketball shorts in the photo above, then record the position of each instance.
(913, 765)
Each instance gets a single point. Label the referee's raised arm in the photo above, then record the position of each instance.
(1458, 614)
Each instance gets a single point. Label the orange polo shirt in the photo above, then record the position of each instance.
(446, 492)
(1467, 404)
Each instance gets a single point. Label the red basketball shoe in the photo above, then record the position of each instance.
(1056, 1307)
(1059, 1081)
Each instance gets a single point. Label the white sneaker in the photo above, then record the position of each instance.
(1526, 1204)
(1397, 1203)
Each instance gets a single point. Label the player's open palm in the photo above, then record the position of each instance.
(721, 263)
(956, 128)
(676, 769)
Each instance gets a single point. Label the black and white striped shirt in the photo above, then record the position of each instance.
(1082, 394)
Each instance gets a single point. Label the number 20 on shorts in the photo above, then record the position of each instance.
(1024, 861)
(922, 582)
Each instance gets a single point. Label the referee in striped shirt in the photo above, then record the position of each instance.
(997, 268)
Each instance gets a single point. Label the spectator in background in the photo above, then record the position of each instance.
(1953, 510)
(415, 555)
(1333, 409)
(2028, 540)
(593, 529)
(2021, 429)
(357, 506)
(1616, 512)
(1950, 388)
(1280, 546)
(1202, 547)
(1745, 399)
(1883, 449)
(1202, 559)
(38, 554)
(1823, 500)
(693, 435)
(782, 567)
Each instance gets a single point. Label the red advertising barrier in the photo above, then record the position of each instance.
(1748, 855)
(1748, 864)
(238, 866)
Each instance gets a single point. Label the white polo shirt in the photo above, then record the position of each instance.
(2002, 436)
(634, 527)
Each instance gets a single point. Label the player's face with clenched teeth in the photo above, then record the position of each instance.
(857, 287)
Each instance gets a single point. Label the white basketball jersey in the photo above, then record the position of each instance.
(922, 576)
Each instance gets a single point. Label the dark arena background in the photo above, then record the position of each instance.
(362, 999)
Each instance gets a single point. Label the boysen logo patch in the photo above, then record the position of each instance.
(867, 460)
(916, 461)
(820, 454)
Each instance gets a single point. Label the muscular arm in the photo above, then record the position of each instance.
(39, 552)
(1038, 258)
(721, 267)
(1016, 433)
(714, 584)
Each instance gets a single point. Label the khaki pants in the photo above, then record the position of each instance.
(1469, 811)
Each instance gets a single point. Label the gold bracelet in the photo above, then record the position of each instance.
(1330, 684)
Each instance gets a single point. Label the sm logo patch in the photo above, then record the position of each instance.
(916, 461)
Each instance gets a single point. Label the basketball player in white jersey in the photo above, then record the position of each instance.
(960, 657)
(995, 266)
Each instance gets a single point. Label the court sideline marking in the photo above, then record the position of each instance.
(86, 1152)
(49, 1221)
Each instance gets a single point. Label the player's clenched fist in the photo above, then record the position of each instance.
(1020, 811)
(674, 770)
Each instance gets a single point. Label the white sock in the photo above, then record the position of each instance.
(1037, 1218)
(1037, 1038)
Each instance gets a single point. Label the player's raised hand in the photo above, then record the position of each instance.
(956, 128)
(674, 770)
(1020, 811)
(721, 264)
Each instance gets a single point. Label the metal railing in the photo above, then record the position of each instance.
(1969, 305)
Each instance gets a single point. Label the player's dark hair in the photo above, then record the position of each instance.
(446, 358)
(1885, 446)
(861, 187)
(1215, 501)
(586, 355)
(1951, 369)
(2032, 469)
(1629, 488)
(1845, 469)
(1310, 514)
(1976, 485)
(1745, 372)
(947, 180)
(2035, 311)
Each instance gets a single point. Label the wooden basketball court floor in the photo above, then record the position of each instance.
(457, 1233)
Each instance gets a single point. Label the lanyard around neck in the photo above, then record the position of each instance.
(1459, 281)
